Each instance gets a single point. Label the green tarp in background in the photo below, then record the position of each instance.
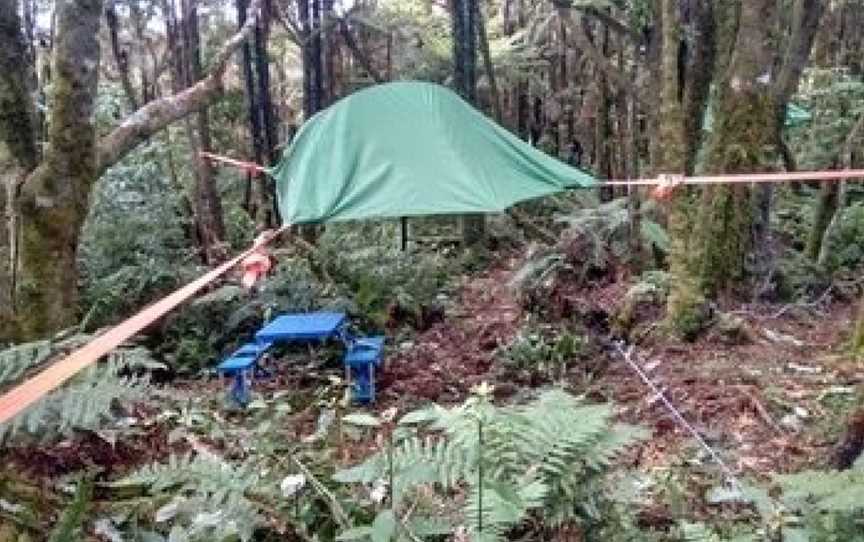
(410, 149)
(795, 116)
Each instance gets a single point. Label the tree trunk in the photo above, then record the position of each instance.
(463, 14)
(54, 199)
(858, 336)
(121, 57)
(52, 202)
(483, 39)
(742, 142)
(18, 151)
(205, 197)
(684, 310)
(254, 197)
(825, 208)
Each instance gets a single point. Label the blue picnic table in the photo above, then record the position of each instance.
(309, 326)
(361, 357)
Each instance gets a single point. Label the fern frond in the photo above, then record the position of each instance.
(68, 527)
(15, 361)
(86, 403)
(825, 491)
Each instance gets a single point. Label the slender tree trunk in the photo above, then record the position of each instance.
(268, 120)
(831, 198)
(483, 39)
(303, 14)
(254, 197)
(603, 130)
(315, 56)
(205, 196)
(858, 336)
(121, 57)
(463, 14)
(825, 208)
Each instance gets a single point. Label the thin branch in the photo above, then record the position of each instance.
(357, 52)
(158, 114)
(614, 24)
(583, 39)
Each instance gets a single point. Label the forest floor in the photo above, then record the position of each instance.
(771, 398)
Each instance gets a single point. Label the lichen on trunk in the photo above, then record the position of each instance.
(743, 141)
(684, 309)
(54, 199)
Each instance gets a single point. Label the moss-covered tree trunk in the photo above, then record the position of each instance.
(743, 141)
(7, 178)
(51, 196)
(684, 81)
(54, 200)
(18, 152)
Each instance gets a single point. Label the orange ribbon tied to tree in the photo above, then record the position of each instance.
(257, 264)
(666, 185)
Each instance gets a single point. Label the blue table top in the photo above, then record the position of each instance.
(302, 326)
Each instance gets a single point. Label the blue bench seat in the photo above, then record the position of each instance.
(244, 360)
(362, 357)
(364, 351)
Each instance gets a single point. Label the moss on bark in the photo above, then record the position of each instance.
(743, 141)
(54, 199)
(858, 336)
(685, 304)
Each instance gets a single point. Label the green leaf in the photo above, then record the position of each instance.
(384, 526)
(356, 533)
(423, 527)
(425, 415)
(362, 419)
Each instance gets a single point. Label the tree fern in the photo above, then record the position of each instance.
(542, 457)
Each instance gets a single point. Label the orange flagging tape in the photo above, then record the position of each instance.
(802, 176)
(660, 180)
(247, 166)
(25, 394)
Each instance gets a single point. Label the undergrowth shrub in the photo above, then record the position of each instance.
(507, 464)
(194, 498)
(546, 352)
(594, 245)
(845, 250)
(367, 263)
(88, 401)
(134, 244)
(199, 332)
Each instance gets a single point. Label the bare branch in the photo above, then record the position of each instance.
(158, 114)
(618, 78)
(358, 53)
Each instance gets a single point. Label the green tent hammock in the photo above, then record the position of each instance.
(410, 149)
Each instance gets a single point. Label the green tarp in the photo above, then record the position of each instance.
(410, 149)
(795, 116)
